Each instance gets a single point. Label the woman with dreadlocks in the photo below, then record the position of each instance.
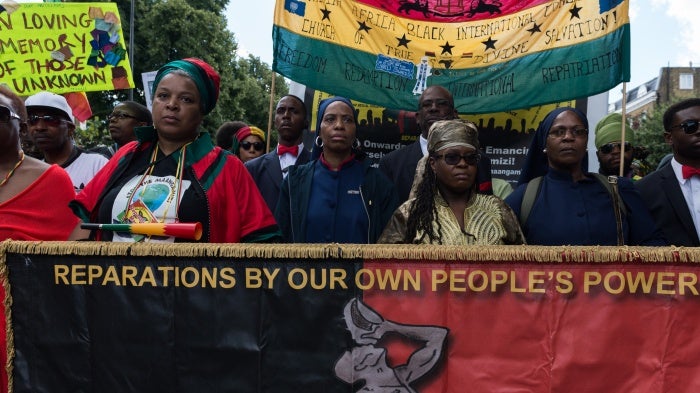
(445, 207)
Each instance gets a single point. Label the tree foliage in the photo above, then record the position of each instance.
(254, 83)
(650, 135)
(166, 30)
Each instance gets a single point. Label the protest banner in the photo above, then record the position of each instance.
(504, 136)
(493, 55)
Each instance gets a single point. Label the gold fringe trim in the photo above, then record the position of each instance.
(526, 254)
(9, 333)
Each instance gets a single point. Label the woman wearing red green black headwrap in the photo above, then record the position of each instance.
(174, 174)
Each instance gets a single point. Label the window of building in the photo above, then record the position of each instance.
(686, 82)
(642, 90)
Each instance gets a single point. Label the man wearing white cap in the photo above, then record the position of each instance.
(51, 129)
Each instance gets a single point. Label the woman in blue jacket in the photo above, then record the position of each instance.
(559, 202)
(337, 197)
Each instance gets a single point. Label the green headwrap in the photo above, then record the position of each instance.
(609, 129)
(204, 76)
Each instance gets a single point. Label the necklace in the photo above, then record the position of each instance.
(178, 174)
(12, 171)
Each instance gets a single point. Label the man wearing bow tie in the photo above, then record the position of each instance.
(672, 193)
(269, 169)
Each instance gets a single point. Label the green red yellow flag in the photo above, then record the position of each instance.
(493, 55)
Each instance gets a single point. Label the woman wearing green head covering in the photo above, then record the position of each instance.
(174, 174)
(444, 206)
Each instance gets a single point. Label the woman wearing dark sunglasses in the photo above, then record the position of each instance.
(34, 195)
(25, 183)
(444, 206)
(249, 143)
(559, 202)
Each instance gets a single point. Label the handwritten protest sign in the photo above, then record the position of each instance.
(62, 48)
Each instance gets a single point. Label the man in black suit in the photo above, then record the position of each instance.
(672, 193)
(269, 169)
(436, 103)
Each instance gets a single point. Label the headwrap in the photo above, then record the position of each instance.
(204, 76)
(444, 134)
(609, 129)
(249, 130)
(243, 133)
(316, 151)
(536, 163)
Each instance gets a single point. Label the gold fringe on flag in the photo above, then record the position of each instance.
(406, 252)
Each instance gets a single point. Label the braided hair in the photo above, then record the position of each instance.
(423, 211)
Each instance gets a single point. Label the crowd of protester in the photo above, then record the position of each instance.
(164, 168)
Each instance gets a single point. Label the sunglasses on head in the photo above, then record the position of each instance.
(688, 126)
(609, 147)
(6, 114)
(256, 145)
(454, 158)
(49, 120)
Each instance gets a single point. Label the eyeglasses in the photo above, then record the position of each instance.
(6, 114)
(119, 116)
(561, 132)
(454, 158)
(256, 145)
(609, 147)
(689, 126)
(50, 120)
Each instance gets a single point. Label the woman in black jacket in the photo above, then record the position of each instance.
(337, 197)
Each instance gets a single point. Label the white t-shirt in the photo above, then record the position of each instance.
(84, 168)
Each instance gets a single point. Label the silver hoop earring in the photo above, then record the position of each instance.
(356, 144)
(318, 141)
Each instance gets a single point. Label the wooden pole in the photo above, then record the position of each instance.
(271, 110)
(131, 46)
(624, 126)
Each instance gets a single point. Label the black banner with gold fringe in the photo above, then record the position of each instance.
(99, 317)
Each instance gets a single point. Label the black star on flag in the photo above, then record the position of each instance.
(326, 13)
(535, 28)
(403, 41)
(574, 11)
(363, 26)
(447, 48)
(490, 43)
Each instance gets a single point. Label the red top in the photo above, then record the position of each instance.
(39, 212)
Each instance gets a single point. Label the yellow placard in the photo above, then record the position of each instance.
(62, 48)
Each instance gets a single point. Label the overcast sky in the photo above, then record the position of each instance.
(664, 32)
